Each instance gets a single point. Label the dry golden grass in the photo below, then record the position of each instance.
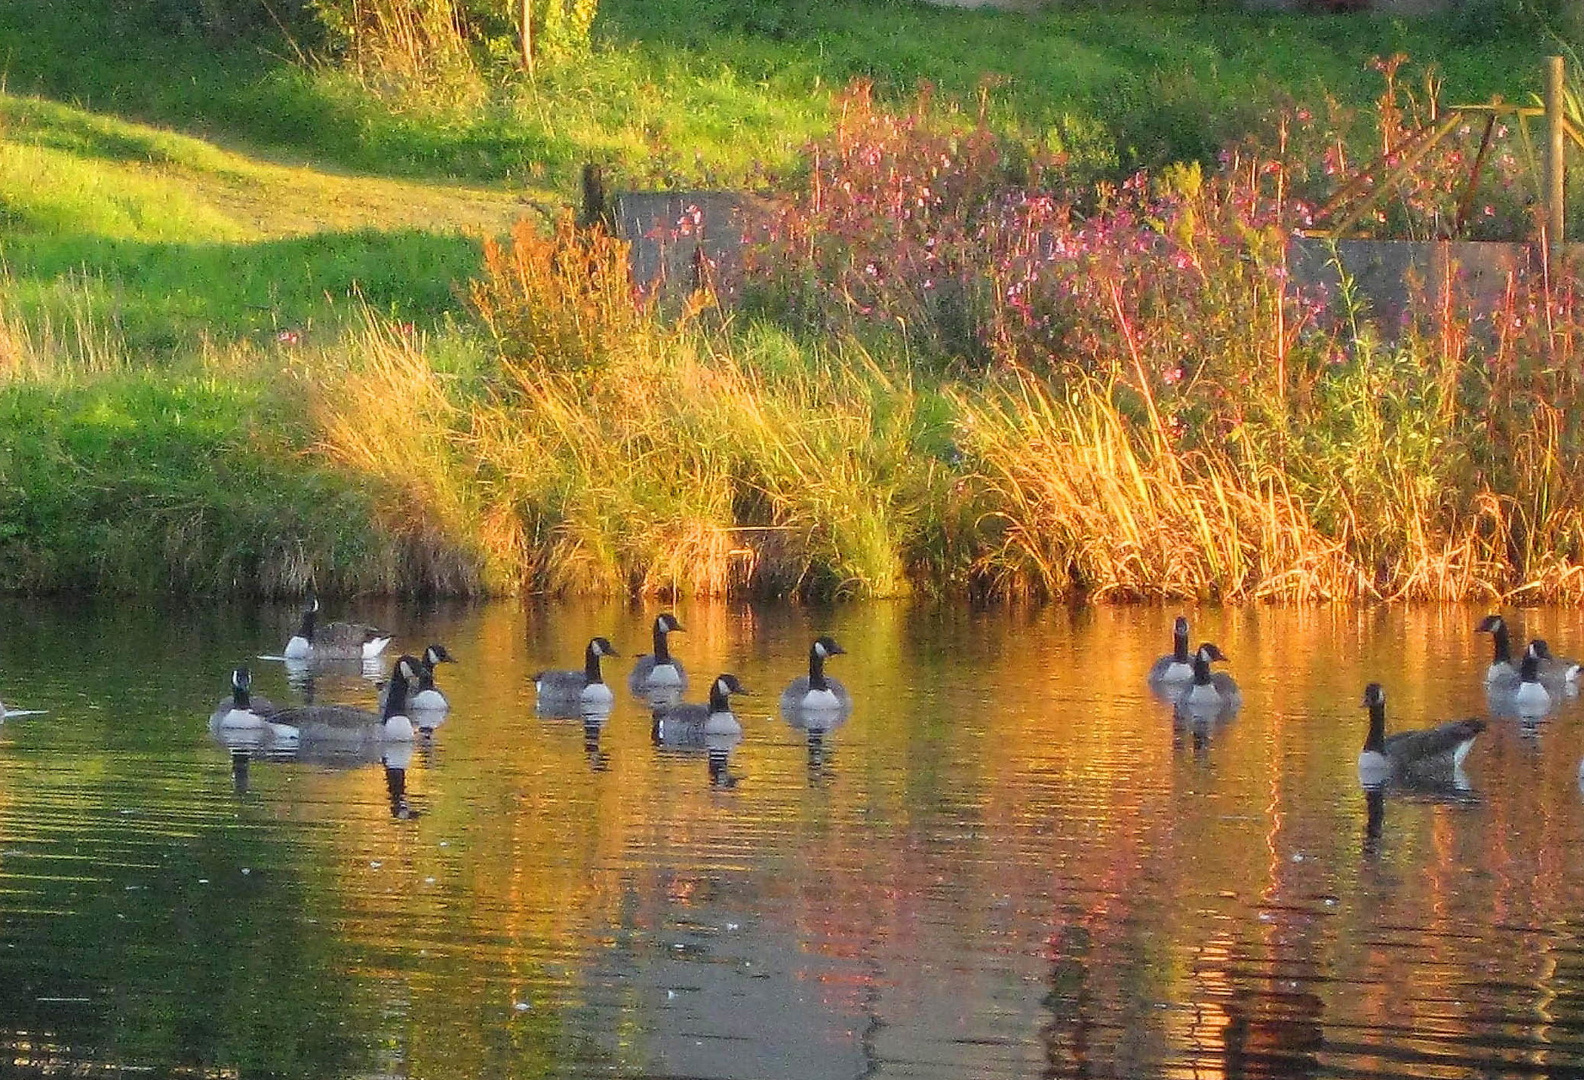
(1078, 500)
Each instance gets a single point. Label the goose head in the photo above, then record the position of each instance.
(826, 646)
(728, 684)
(666, 623)
(241, 679)
(1374, 696)
(1490, 624)
(436, 654)
(602, 647)
(1209, 652)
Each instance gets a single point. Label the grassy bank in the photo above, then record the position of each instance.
(284, 353)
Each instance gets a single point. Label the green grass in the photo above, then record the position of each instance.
(702, 90)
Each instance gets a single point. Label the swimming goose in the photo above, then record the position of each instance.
(1502, 670)
(1555, 671)
(1177, 665)
(658, 670)
(700, 725)
(428, 698)
(583, 690)
(1208, 693)
(1439, 749)
(243, 712)
(1530, 697)
(816, 692)
(334, 641)
(426, 705)
(347, 725)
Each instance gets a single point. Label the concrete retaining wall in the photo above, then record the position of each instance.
(676, 234)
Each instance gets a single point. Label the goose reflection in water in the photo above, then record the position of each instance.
(818, 724)
(593, 727)
(396, 760)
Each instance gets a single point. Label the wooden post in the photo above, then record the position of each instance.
(1556, 145)
(596, 200)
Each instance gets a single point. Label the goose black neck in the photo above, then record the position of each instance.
(1201, 666)
(396, 699)
(662, 651)
(1377, 729)
(1180, 646)
(240, 698)
(425, 677)
(591, 666)
(817, 669)
(719, 700)
(310, 616)
(1502, 645)
(1529, 669)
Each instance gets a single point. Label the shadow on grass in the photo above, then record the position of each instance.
(102, 56)
(145, 482)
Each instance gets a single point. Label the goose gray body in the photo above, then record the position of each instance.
(1528, 697)
(1428, 752)
(260, 705)
(1176, 667)
(347, 725)
(659, 670)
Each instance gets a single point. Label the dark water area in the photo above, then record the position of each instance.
(1009, 860)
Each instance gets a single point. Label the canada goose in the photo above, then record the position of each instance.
(1502, 670)
(1555, 671)
(243, 712)
(428, 698)
(1209, 693)
(354, 727)
(817, 692)
(426, 705)
(1439, 749)
(1530, 698)
(582, 690)
(698, 725)
(658, 670)
(334, 641)
(1177, 665)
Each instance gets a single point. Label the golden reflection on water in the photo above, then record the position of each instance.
(1010, 861)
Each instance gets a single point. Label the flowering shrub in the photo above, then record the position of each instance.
(883, 230)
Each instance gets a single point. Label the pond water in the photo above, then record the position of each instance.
(1009, 861)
